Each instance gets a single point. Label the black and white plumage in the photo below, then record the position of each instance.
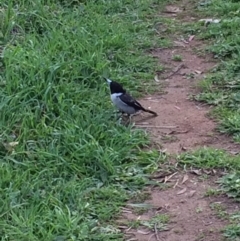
(123, 101)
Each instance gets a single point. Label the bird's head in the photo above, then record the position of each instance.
(115, 87)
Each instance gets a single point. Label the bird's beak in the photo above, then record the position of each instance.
(108, 80)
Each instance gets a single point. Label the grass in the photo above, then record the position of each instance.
(232, 231)
(209, 158)
(177, 58)
(158, 222)
(66, 166)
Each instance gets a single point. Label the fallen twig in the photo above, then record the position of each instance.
(177, 70)
(151, 236)
(178, 132)
(159, 127)
(167, 178)
(156, 232)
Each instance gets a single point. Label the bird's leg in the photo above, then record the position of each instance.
(128, 121)
(120, 116)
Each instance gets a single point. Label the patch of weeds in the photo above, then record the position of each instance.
(199, 210)
(158, 222)
(209, 158)
(190, 76)
(231, 185)
(232, 232)
(220, 210)
(169, 138)
(212, 192)
(134, 224)
(177, 58)
(200, 236)
(140, 196)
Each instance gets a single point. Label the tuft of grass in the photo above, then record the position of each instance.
(220, 210)
(177, 58)
(232, 231)
(66, 165)
(158, 222)
(231, 185)
(211, 192)
(209, 158)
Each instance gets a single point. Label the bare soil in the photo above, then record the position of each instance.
(192, 128)
(182, 125)
(192, 213)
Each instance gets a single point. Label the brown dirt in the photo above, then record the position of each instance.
(192, 127)
(191, 215)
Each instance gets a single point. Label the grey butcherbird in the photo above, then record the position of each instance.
(123, 101)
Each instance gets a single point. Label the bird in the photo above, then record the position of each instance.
(123, 101)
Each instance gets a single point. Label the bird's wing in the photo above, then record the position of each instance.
(129, 100)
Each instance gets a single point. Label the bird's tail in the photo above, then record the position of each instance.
(152, 112)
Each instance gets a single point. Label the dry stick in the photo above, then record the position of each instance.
(179, 67)
(160, 127)
(151, 236)
(156, 232)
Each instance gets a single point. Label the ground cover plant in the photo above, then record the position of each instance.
(66, 165)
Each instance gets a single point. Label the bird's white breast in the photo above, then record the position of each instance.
(121, 105)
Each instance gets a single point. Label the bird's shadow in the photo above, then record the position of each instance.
(145, 119)
(127, 121)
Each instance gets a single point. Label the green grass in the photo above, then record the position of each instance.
(159, 222)
(208, 158)
(66, 165)
(232, 231)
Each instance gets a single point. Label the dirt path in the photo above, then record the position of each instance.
(191, 212)
(192, 127)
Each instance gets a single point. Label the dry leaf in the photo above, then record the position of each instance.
(207, 172)
(143, 232)
(179, 44)
(197, 72)
(185, 41)
(12, 144)
(191, 193)
(156, 78)
(183, 148)
(191, 38)
(185, 178)
(209, 20)
(197, 172)
(182, 191)
(167, 178)
(170, 9)
(132, 239)
(176, 184)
